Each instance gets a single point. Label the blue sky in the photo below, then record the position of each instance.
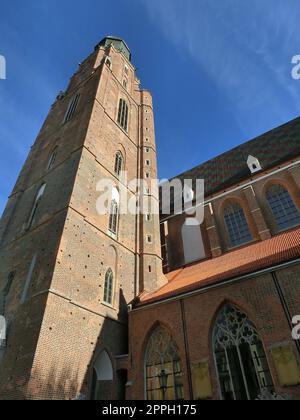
(219, 70)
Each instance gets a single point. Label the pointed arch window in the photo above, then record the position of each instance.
(5, 293)
(119, 164)
(163, 367)
(240, 358)
(108, 287)
(237, 225)
(123, 114)
(52, 158)
(108, 63)
(283, 207)
(113, 217)
(114, 212)
(36, 204)
(72, 107)
(28, 282)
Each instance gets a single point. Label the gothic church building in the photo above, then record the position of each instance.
(142, 306)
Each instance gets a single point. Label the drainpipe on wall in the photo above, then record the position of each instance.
(186, 346)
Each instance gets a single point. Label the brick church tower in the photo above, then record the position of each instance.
(67, 273)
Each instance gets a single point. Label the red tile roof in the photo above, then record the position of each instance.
(255, 257)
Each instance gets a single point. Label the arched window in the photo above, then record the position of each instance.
(72, 107)
(119, 164)
(52, 158)
(102, 378)
(240, 358)
(283, 207)
(5, 292)
(237, 226)
(108, 287)
(123, 114)
(37, 201)
(108, 62)
(163, 367)
(114, 212)
(28, 281)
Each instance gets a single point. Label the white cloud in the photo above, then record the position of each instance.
(242, 46)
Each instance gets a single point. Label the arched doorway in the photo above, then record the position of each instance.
(163, 367)
(102, 378)
(240, 357)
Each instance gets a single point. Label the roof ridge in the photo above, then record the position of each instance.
(247, 142)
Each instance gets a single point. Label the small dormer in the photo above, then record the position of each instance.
(253, 164)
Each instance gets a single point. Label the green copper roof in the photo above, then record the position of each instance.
(118, 43)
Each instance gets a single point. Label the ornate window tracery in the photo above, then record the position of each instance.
(240, 358)
(163, 367)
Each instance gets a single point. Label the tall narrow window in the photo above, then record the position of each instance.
(114, 212)
(108, 287)
(240, 358)
(163, 367)
(237, 226)
(119, 164)
(72, 107)
(123, 114)
(35, 206)
(108, 62)
(283, 207)
(52, 158)
(28, 279)
(5, 292)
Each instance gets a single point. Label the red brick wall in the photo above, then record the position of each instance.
(253, 201)
(257, 297)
